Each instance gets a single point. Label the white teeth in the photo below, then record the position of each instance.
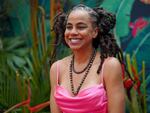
(75, 40)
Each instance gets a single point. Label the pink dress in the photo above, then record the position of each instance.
(89, 100)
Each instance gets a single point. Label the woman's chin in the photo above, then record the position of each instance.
(74, 46)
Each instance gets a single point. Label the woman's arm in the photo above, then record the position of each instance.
(114, 86)
(53, 82)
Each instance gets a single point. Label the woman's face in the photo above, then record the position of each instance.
(79, 30)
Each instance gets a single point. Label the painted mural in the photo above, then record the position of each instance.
(133, 30)
(26, 49)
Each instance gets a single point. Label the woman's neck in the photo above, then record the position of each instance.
(83, 56)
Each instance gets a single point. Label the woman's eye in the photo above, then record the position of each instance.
(68, 27)
(81, 27)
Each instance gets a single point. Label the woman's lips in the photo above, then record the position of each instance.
(75, 40)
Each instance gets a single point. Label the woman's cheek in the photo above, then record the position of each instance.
(66, 32)
(66, 37)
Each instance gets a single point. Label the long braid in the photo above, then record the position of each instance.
(109, 48)
(59, 27)
(107, 43)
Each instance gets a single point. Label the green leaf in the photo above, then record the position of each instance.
(148, 80)
(19, 15)
(141, 47)
(27, 71)
(29, 63)
(90, 3)
(122, 8)
(11, 65)
(111, 5)
(123, 18)
(13, 43)
(75, 2)
(21, 51)
(18, 61)
(134, 105)
(8, 91)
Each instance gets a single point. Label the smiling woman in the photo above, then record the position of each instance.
(89, 80)
(79, 30)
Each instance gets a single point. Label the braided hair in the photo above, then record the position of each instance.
(105, 40)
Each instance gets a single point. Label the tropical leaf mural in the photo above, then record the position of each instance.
(111, 5)
(122, 9)
(140, 47)
(91, 3)
(132, 30)
(27, 46)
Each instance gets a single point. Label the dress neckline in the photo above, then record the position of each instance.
(82, 90)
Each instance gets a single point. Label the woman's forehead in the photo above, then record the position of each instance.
(79, 14)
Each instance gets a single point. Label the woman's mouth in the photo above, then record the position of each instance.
(75, 40)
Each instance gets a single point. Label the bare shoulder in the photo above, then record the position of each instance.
(61, 63)
(64, 63)
(112, 68)
(66, 59)
(53, 72)
(112, 64)
(112, 61)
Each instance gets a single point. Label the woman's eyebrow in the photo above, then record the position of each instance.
(69, 23)
(81, 23)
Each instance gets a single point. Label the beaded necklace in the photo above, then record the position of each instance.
(79, 72)
(85, 75)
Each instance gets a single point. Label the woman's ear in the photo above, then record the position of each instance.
(95, 33)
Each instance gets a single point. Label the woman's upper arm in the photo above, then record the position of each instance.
(114, 86)
(53, 82)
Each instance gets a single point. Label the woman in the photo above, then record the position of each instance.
(90, 79)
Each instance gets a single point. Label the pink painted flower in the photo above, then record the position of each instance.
(139, 24)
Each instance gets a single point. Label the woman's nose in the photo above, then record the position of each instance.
(74, 31)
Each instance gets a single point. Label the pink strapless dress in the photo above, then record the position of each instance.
(89, 100)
